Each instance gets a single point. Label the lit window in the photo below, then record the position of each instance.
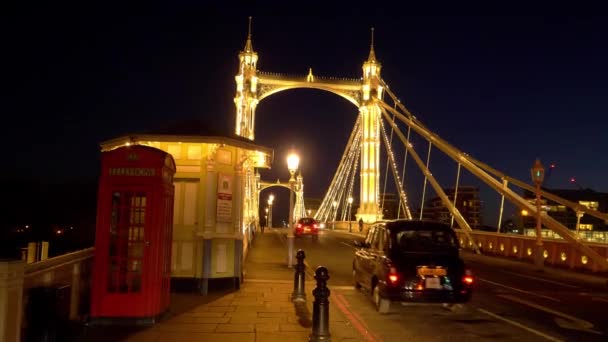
(585, 226)
(589, 204)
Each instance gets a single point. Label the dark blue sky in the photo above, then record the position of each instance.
(506, 90)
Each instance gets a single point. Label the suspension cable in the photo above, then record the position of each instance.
(327, 209)
(409, 130)
(428, 159)
(505, 183)
(398, 182)
(456, 191)
(387, 159)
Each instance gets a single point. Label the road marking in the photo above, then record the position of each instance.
(343, 287)
(600, 299)
(541, 279)
(349, 245)
(574, 322)
(357, 322)
(519, 325)
(519, 290)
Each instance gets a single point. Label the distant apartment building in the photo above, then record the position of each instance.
(467, 203)
(566, 216)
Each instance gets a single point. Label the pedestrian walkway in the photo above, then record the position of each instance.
(261, 310)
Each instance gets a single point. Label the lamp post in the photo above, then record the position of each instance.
(538, 174)
(270, 201)
(309, 212)
(292, 164)
(266, 218)
(350, 204)
(579, 215)
(335, 206)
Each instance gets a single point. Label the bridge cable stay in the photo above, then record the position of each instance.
(387, 161)
(348, 180)
(399, 184)
(327, 209)
(354, 166)
(474, 167)
(431, 179)
(428, 160)
(409, 130)
(455, 192)
(340, 197)
(505, 184)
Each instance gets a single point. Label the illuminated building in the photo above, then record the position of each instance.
(215, 206)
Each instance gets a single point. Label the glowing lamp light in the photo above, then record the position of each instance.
(538, 172)
(524, 212)
(293, 160)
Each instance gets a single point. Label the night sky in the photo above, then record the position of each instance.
(506, 90)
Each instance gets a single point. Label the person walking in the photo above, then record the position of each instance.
(360, 224)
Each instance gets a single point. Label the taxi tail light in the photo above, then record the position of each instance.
(393, 277)
(314, 226)
(468, 277)
(299, 225)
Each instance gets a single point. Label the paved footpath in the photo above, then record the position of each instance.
(261, 310)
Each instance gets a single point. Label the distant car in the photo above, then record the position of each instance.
(307, 226)
(411, 261)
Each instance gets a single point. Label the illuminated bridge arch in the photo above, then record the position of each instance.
(253, 85)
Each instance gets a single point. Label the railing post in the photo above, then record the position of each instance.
(11, 299)
(299, 295)
(320, 308)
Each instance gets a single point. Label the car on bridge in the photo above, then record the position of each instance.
(411, 261)
(307, 226)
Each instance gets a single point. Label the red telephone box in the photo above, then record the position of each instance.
(132, 266)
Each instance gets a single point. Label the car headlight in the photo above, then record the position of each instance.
(322, 225)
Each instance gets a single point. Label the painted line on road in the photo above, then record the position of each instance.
(357, 322)
(541, 279)
(349, 245)
(583, 324)
(519, 290)
(519, 325)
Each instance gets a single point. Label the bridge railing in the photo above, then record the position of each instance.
(557, 253)
(71, 272)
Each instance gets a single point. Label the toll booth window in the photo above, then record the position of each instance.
(126, 241)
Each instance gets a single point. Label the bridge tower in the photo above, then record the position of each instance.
(252, 86)
(246, 98)
(370, 113)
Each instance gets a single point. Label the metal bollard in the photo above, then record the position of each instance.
(320, 308)
(299, 295)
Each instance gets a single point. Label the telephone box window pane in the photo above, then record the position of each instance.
(126, 241)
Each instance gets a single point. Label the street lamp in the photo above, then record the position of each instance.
(270, 201)
(292, 164)
(538, 174)
(265, 220)
(335, 205)
(350, 204)
(309, 212)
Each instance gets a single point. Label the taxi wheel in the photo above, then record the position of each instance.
(383, 305)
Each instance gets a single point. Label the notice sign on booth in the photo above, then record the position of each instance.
(224, 198)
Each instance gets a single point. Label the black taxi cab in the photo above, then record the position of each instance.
(411, 261)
